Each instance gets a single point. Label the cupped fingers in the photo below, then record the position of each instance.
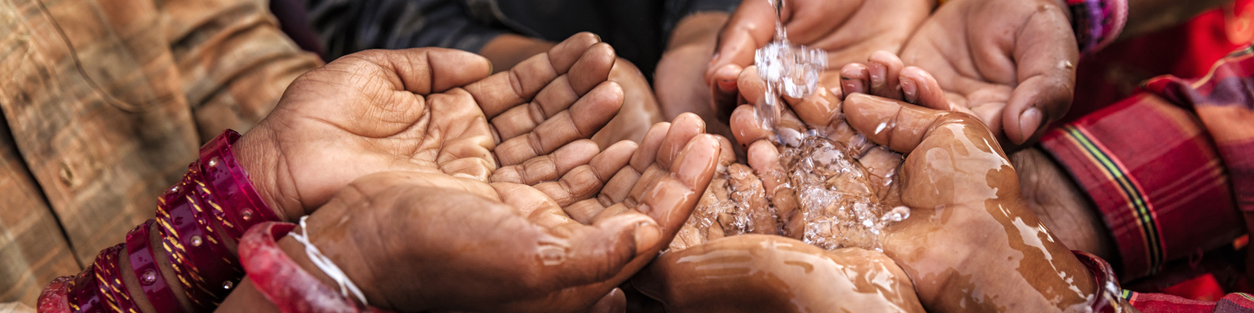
(584, 118)
(505, 90)
(899, 126)
(885, 70)
(668, 196)
(560, 94)
(586, 180)
(550, 166)
(921, 88)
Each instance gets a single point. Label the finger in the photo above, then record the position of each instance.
(1045, 56)
(764, 159)
(819, 109)
(854, 77)
(587, 72)
(750, 27)
(550, 166)
(613, 302)
(727, 152)
(592, 69)
(586, 180)
(586, 254)
(498, 93)
(685, 127)
(424, 70)
(748, 127)
(885, 70)
(532, 204)
(582, 120)
(723, 87)
(566, 53)
(921, 88)
(647, 152)
(899, 126)
(752, 87)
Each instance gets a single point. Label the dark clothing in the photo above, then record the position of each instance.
(638, 30)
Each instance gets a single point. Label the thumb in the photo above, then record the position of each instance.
(601, 251)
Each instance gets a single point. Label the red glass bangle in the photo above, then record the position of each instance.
(110, 278)
(54, 298)
(203, 263)
(282, 281)
(89, 292)
(144, 263)
(236, 204)
(1108, 290)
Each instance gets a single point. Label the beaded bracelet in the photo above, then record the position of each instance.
(1107, 298)
(282, 281)
(1097, 22)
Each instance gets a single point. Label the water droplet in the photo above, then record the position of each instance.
(175, 189)
(551, 255)
(246, 214)
(213, 162)
(196, 241)
(227, 285)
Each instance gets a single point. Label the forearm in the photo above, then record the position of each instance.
(680, 77)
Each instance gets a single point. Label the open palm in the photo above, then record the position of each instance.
(426, 110)
(434, 241)
(1010, 63)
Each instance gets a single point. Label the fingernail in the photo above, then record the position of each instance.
(647, 236)
(727, 85)
(877, 74)
(911, 91)
(1029, 121)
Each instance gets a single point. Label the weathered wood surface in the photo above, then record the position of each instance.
(107, 102)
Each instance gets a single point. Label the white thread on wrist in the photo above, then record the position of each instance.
(325, 264)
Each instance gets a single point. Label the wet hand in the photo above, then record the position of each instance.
(787, 276)
(424, 110)
(430, 241)
(971, 243)
(1010, 63)
(848, 29)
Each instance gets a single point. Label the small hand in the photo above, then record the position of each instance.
(431, 241)
(424, 110)
(1010, 63)
(848, 29)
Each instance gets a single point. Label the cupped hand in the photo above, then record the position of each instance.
(848, 29)
(425, 110)
(761, 273)
(970, 242)
(1010, 63)
(419, 241)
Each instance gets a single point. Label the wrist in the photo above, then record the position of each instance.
(263, 164)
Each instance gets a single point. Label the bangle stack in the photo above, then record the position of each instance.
(214, 201)
(1097, 22)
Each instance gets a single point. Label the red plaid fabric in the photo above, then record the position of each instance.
(1172, 170)
(1152, 163)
